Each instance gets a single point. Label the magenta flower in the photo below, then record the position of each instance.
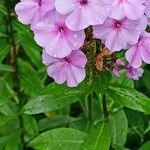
(134, 73)
(119, 64)
(116, 34)
(31, 11)
(52, 34)
(132, 9)
(69, 69)
(116, 72)
(140, 51)
(82, 13)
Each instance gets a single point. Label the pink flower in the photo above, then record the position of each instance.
(132, 9)
(119, 64)
(52, 34)
(116, 34)
(116, 72)
(147, 10)
(134, 73)
(31, 11)
(82, 13)
(69, 69)
(140, 51)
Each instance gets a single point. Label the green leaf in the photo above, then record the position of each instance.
(30, 125)
(26, 40)
(14, 142)
(128, 97)
(53, 122)
(98, 137)
(56, 89)
(136, 120)
(9, 109)
(122, 80)
(59, 139)
(7, 68)
(102, 82)
(80, 123)
(30, 81)
(47, 103)
(119, 129)
(4, 49)
(146, 146)
(3, 35)
(54, 97)
(145, 79)
(4, 119)
(11, 141)
(6, 91)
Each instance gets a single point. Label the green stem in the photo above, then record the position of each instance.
(90, 102)
(104, 108)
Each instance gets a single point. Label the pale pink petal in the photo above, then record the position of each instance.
(57, 71)
(65, 6)
(75, 75)
(48, 60)
(133, 56)
(76, 20)
(78, 59)
(133, 9)
(23, 8)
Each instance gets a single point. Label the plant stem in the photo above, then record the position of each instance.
(90, 102)
(104, 108)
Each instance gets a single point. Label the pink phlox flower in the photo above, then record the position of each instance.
(31, 11)
(132, 9)
(57, 40)
(134, 73)
(140, 51)
(82, 13)
(70, 69)
(116, 34)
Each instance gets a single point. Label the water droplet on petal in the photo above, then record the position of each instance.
(54, 55)
(51, 49)
(97, 19)
(75, 36)
(75, 44)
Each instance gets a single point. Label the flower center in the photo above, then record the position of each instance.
(61, 29)
(67, 60)
(140, 40)
(83, 2)
(40, 2)
(117, 24)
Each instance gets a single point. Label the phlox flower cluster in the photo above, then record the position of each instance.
(59, 28)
